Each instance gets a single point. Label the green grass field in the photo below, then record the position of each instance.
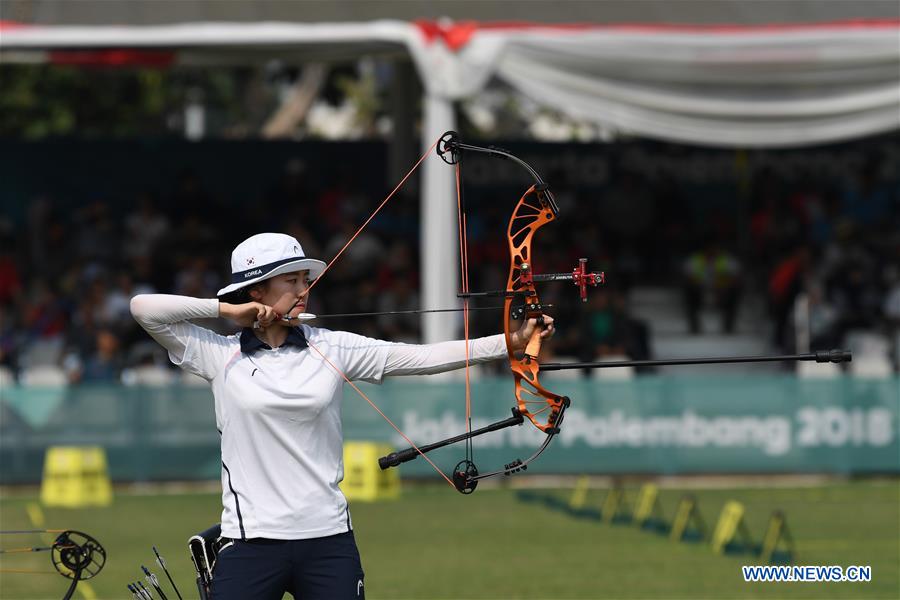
(433, 543)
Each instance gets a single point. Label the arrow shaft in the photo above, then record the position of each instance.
(28, 549)
(405, 312)
(18, 531)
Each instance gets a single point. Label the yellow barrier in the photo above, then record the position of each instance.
(363, 478)
(614, 509)
(648, 511)
(776, 531)
(75, 476)
(686, 513)
(580, 493)
(731, 530)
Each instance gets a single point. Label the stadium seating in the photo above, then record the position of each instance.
(7, 377)
(148, 375)
(44, 376)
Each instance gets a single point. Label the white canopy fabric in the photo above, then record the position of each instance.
(774, 86)
(726, 86)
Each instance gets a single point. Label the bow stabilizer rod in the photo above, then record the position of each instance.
(397, 458)
(821, 356)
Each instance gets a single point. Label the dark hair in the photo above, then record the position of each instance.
(242, 296)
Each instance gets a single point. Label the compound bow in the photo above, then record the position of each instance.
(544, 408)
(74, 555)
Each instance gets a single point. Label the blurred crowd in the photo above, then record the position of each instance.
(67, 276)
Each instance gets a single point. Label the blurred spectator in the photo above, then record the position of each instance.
(854, 287)
(195, 236)
(360, 259)
(117, 303)
(824, 319)
(785, 282)
(10, 280)
(711, 277)
(197, 279)
(892, 297)
(44, 314)
(96, 234)
(892, 311)
(102, 365)
(9, 339)
(399, 296)
(867, 201)
(610, 330)
(145, 228)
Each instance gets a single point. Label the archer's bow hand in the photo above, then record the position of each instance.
(543, 326)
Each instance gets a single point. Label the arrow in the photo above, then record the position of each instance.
(152, 580)
(162, 563)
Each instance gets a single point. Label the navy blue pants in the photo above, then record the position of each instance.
(317, 569)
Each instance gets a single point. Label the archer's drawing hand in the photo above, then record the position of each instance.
(520, 338)
(249, 314)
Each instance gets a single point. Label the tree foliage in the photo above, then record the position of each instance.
(39, 101)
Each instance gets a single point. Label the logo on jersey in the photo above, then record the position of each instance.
(359, 588)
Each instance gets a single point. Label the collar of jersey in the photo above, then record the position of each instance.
(250, 343)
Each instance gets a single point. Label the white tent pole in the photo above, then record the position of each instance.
(439, 244)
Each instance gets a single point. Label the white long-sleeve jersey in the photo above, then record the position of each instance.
(279, 410)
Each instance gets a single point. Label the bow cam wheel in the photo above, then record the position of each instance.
(77, 555)
(463, 476)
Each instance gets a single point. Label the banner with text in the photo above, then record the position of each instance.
(664, 425)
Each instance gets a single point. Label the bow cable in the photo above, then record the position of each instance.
(464, 284)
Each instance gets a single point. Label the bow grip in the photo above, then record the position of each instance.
(394, 459)
(533, 349)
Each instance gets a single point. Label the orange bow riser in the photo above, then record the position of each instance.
(534, 210)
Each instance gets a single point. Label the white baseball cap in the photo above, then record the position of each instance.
(266, 255)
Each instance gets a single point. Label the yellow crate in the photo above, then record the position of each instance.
(75, 476)
(363, 478)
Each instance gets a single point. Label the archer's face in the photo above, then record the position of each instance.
(284, 290)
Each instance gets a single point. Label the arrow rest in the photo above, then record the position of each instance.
(517, 313)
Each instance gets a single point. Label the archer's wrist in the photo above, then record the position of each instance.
(226, 310)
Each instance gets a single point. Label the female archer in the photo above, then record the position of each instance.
(277, 386)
